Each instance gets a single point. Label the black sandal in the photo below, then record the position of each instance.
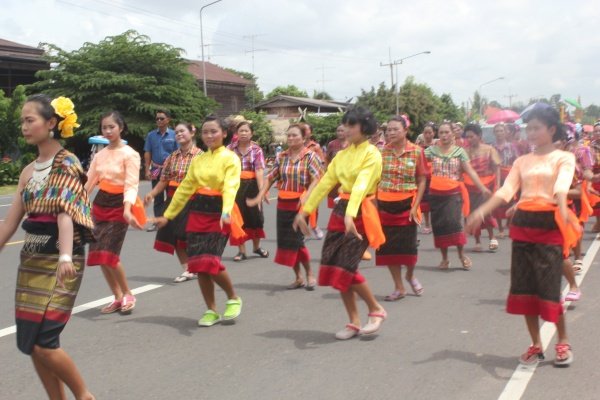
(240, 257)
(261, 252)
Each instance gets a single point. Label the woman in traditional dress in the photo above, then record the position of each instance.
(297, 171)
(116, 170)
(210, 186)
(58, 224)
(252, 180)
(542, 229)
(398, 199)
(448, 196)
(426, 139)
(595, 147)
(485, 162)
(354, 223)
(172, 238)
(508, 152)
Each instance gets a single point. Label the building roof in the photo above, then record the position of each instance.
(21, 52)
(283, 100)
(214, 73)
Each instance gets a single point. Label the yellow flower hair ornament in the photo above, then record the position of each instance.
(64, 108)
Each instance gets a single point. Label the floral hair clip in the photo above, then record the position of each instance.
(406, 120)
(64, 108)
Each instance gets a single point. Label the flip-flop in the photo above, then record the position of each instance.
(573, 296)
(577, 267)
(466, 263)
(111, 308)
(310, 286)
(185, 276)
(296, 285)
(395, 296)
(493, 245)
(128, 304)
(261, 252)
(240, 257)
(564, 355)
(444, 265)
(416, 286)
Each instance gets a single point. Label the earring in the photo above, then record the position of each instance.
(51, 134)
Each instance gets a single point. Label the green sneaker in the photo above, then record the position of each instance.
(233, 309)
(209, 318)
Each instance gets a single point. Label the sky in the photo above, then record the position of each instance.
(539, 47)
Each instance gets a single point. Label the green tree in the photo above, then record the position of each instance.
(289, 90)
(253, 94)
(592, 113)
(380, 101)
(128, 73)
(448, 110)
(322, 95)
(324, 126)
(10, 125)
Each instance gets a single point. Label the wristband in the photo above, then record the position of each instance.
(65, 258)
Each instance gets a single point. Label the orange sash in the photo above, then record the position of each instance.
(237, 222)
(399, 196)
(174, 183)
(442, 183)
(571, 230)
(586, 204)
(485, 181)
(289, 195)
(248, 175)
(370, 219)
(137, 209)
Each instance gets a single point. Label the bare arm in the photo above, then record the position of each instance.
(147, 164)
(159, 188)
(65, 269)
(261, 194)
(11, 223)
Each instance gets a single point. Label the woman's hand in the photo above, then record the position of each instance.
(300, 223)
(225, 220)
(65, 270)
(149, 198)
(254, 202)
(128, 216)
(474, 221)
(414, 214)
(351, 227)
(160, 222)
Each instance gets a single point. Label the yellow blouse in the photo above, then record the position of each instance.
(357, 169)
(539, 176)
(120, 166)
(216, 170)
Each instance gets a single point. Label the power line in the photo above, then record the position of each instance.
(322, 80)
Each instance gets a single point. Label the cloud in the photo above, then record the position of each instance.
(540, 47)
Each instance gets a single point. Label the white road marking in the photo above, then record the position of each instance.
(88, 306)
(5, 205)
(517, 384)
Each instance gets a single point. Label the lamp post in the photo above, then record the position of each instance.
(202, 45)
(396, 63)
(481, 97)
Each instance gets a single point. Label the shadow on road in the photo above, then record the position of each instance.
(185, 326)
(303, 339)
(270, 289)
(488, 362)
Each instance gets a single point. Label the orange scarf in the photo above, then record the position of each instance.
(237, 222)
(137, 209)
(370, 219)
(442, 183)
(400, 196)
(570, 230)
(586, 202)
(248, 175)
(485, 181)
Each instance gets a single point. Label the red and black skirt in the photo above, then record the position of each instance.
(173, 235)
(206, 240)
(342, 253)
(290, 243)
(400, 247)
(424, 205)
(447, 220)
(596, 186)
(110, 229)
(536, 265)
(476, 199)
(253, 216)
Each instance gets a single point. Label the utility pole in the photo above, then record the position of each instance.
(254, 50)
(322, 80)
(202, 45)
(391, 65)
(395, 64)
(510, 97)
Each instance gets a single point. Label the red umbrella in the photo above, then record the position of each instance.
(503, 116)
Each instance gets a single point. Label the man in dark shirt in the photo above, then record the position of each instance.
(160, 143)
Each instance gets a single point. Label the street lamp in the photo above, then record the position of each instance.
(396, 63)
(202, 45)
(481, 97)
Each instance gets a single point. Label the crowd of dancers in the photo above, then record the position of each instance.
(382, 189)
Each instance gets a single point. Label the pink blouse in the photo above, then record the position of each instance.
(118, 166)
(539, 176)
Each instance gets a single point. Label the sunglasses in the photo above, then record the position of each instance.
(160, 118)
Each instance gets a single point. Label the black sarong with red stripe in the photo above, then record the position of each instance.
(110, 229)
(290, 243)
(173, 236)
(252, 216)
(400, 247)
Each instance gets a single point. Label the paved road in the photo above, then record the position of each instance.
(455, 342)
